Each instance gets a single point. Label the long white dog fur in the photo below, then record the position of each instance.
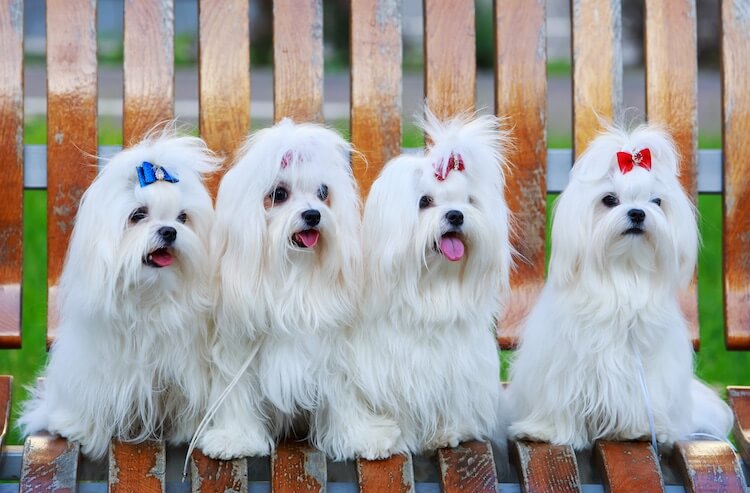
(612, 299)
(131, 354)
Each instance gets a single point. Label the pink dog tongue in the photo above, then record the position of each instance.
(452, 248)
(161, 257)
(308, 237)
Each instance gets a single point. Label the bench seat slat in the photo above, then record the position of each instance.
(297, 467)
(708, 466)
(211, 475)
(50, 463)
(545, 468)
(392, 475)
(739, 398)
(137, 467)
(468, 467)
(628, 466)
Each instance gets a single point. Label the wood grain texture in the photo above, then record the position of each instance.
(597, 67)
(210, 475)
(297, 467)
(735, 50)
(392, 475)
(544, 468)
(628, 466)
(49, 464)
(6, 387)
(136, 467)
(708, 467)
(469, 467)
(71, 127)
(521, 97)
(739, 399)
(11, 171)
(298, 60)
(223, 77)
(376, 55)
(449, 56)
(148, 66)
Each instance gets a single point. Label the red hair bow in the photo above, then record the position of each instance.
(629, 161)
(454, 162)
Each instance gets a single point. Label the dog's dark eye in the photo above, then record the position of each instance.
(323, 192)
(657, 201)
(182, 218)
(610, 200)
(425, 201)
(279, 195)
(139, 214)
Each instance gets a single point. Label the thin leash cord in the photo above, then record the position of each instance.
(646, 397)
(215, 407)
(699, 434)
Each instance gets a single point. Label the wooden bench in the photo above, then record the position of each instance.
(53, 464)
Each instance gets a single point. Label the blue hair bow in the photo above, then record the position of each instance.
(149, 173)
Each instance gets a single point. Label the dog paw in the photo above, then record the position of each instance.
(233, 444)
(379, 440)
(532, 431)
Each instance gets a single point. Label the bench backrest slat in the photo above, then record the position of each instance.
(137, 467)
(392, 475)
(210, 475)
(296, 466)
(468, 467)
(50, 463)
(11, 171)
(628, 466)
(71, 127)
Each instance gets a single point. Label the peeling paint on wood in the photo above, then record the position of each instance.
(211, 475)
(709, 466)
(392, 475)
(49, 463)
(545, 468)
(468, 467)
(137, 467)
(297, 467)
(739, 398)
(628, 466)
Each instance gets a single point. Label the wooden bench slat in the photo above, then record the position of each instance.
(449, 56)
(137, 467)
(468, 467)
(49, 463)
(392, 475)
(739, 399)
(708, 466)
(545, 468)
(71, 127)
(597, 67)
(210, 475)
(148, 66)
(521, 96)
(376, 55)
(223, 76)
(298, 60)
(6, 388)
(628, 466)
(298, 467)
(735, 49)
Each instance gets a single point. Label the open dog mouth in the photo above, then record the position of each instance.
(633, 231)
(451, 246)
(307, 238)
(161, 257)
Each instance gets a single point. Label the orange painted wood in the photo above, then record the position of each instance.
(628, 466)
(376, 54)
(449, 56)
(71, 127)
(297, 467)
(597, 67)
(298, 60)
(392, 475)
(223, 77)
(6, 386)
(136, 467)
(521, 96)
(672, 98)
(544, 468)
(50, 463)
(739, 399)
(468, 467)
(735, 50)
(210, 475)
(708, 467)
(148, 66)
(11, 171)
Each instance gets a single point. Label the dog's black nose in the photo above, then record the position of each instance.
(168, 234)
(637, 216)
(454, 217)
(311, 217)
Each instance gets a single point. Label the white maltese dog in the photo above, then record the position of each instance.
(131, 357)
(606, 350)
(287, 253)
(421, 371)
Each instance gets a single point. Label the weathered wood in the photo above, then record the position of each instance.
(210, 475)
(6, 387)
(376, 55)
(49, 464)
(628, 466)
(11, 177)
(468, 467)
(392, 475)
(708, 466)
(544, 468)
(597, 67)
(297, 467)
(298, 60)
(148, 66)
(449, 56)
(223, 76)
(71, 127)
(739, 398)
(735, 49)
(521, 96)
(136, 467)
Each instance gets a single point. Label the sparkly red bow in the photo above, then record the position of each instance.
(629, 161)
(286, 159)
(454, 162)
